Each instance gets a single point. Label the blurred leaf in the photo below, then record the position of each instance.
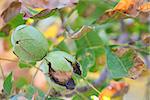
(7, 85)
(23, 64)
(2, 34)
(146, 39)
(18, 97)
(13, 10)
(114, 89)
(22, 81)
(16, 21)
(144, 7)
(44, 14)
(92, 41)
(81, 32)
(119, 66)
(111, 15)
(53, 98)
(62, 46)
(31, 90)
(86, 58)
(12, 23)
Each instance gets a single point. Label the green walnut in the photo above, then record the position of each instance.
(29, 44)
(62, 67)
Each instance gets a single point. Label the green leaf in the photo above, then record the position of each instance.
(23, 64)
(22, 81)
(119, 66)
(29, 44)
(31, 90)
(13, 23)
(86, 58)
(92, 41)
(16, 21)
(8, 84)
(62, 46)
(2, 34)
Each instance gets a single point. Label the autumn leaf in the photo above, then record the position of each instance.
(114, 89)
(126, 8)
(145, 7)
(138, 64)
(80, 32)
(146, 39)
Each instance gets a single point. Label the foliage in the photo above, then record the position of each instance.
(90, 40)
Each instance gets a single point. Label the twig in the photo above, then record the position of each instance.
(34, 75)
(2, 71)
(6, 59)
(47, 94)
(82, 96)
(91, 85)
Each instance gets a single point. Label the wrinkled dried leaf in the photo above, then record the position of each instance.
(111, 15)
(138, 64)
(146, 39)
(124, 7)
(81, 32)
(13, 9)
(44, 14)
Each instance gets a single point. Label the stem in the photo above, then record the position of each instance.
(34, 75)
(8, 59)
(91, 85)
(47, 94)
(81, 95)
(2, 72)
(96, 83)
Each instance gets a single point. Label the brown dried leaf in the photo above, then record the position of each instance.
(13, 9)
(44, 14)
(138, 67)
(124, 7)
(146, 39)
(81, 32)
(138, 64)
